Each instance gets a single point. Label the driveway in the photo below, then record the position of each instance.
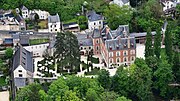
(4, 96)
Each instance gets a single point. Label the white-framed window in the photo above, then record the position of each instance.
(132, 58)
(117, 60)
(125, 53)
(97, 48)
(110, 54)
(20, 75)
(118, 53)
(110, 60)
(97, 41)
(125, 59)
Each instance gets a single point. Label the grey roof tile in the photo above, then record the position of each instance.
(24, 8)
(20, 82)
(92, 16)
(53, 19)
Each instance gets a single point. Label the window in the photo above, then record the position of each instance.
(94, 23)
(89, 47)
(111, 54)
(125, 59)
(55, 29)
(132, 58)
(99, 22)
(84, 48)
(19, 70)
(20, 75)
(39, 46)
(132, 52)
(125, 53)
(110, 60)
(117, 53)
(118, 60)
(81, 48)
(97, 41)
(54, 25)
(97, 48)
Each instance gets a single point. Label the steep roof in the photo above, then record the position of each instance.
(53, 19)
(92, 16)
(24, 58)
(142, 34)
(19, 18)
(20, 82)
(96, 33)
(125, 1)
(24, 8)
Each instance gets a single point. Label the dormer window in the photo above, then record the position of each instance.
(125, 45)
(132, 45)
(110, 47)
(117, 46)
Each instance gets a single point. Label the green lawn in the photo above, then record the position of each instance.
(38, 41)
(2, 81)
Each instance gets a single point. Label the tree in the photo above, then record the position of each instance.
(8, 53)
(157, 44)
(116, 15)
(57, 89)
(43, 96)
(141, 76)
(168, 44)
(122, 98)
(176, 67)
(91, 95)
(163, 77)
(70, 96)
(152, 62)
(104, 78)
(148, 44)
(109, 96)
(67, 50)
(29, 93)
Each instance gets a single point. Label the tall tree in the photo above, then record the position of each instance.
(168, 44)
(122, 98)
(8, 53)
(148, 44)
(104, 78)
(67, 50)
(163, 77)
(157, 43)
(91, 95)
(176, 66)
(109, 96)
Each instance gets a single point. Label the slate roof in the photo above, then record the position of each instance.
(19, 18)
(9, 15)
(96, 33)
(53, 19)
(85, 42)
(24, 58)
(24, 8)
(92, 16)
(8, 41)
(121, 44)
(20, 82)
(142, 34)
(125, 1)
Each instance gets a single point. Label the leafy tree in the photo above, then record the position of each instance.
(43, 96)
(116, 15)
(104, 78)
(109, 96)
(8, 53)
(121, 81)
(157, 44)
(91, 95)
(57, 89)
(176, 66)
(168, 44)
(163, 76)
(148, 44)
(152, 62)
(70, 96)
(122, 98)
(141, 80)
(29, 93)
(67, 50)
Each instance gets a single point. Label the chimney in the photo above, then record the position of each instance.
(128, 42)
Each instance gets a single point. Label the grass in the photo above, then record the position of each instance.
(38, 41)
(43, 24)
(70, 21)
(2, 81)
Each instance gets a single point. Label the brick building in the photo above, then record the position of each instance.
(115, 46)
